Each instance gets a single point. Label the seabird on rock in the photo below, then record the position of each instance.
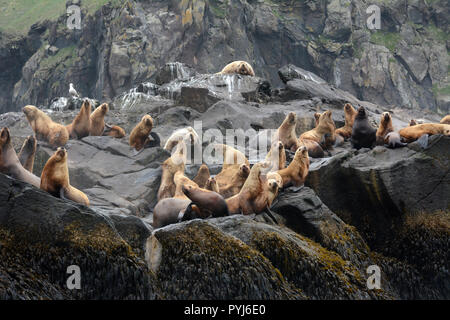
(72, 91)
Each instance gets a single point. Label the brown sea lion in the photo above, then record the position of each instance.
(324, 133)
(238, 67)
(114, 131)
(44, 127)
(295, 174)
(275, 182)
(363, 134)
(80, 126)
(139, 135)
(209, 203)
(202, 176)
(170, 166)
(254, 195)
(97, 120)
(169, 211)
(212, 185)
(231, 180)
(384, 128)
(410, 134)
(181, 181)
(28, 152)
(10, 164)
(55, 179)
(286, 132)
(350, 114)
(413, 122)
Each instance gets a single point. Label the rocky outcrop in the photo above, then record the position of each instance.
(405, 63)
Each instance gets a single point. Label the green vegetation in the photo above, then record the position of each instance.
(444, 91)
(218, 9)
(437, 34)
(66, 55)
(17, 16)
(387, 39)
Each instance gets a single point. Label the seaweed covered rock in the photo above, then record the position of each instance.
(41, 236)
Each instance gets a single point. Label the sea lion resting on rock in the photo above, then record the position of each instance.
(55, 179)
(286, 132)
(295, 174)
(363, 134)
(169, 211)
(238, 67)
(393, 140)
(114, 131)
(350, 114)
(97, 120)
(28, 152)
(254, 195)
(384, 128)
(275, 183)
(445, 120)
(139, 135)
(204, 204)
(10, 164)
(44, 127)
(410, 134)
(80, 126)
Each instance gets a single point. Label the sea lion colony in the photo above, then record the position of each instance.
(238, 189)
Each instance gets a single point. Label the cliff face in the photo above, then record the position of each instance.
(404, 64)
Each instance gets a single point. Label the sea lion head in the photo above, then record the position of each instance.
(280, 145)
(301, 153)
(273, 185)
(386, 117)
(104, 108)
(29, 111)
(60, 154)
(244, 170)
(147, 120)
(292, 117)
(348, 107)
(5, 137)
(317, 116)
(361, 113)
(243, 69)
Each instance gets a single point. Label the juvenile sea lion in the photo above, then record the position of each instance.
(276, 156)
(412, 122)
(275, 182)
(139, 135)
(80, 126)
(55, 179)
(393, 140)
(44, 127)
(114, 131)
(238, 67)
(97, 120)
(202, 176)
(350, 114)
(169, 211)
(445, 120)
(286, 132)
(410, 134)
(384, 128)
(212, 185)
(28, 152)
(363, 134)
(295, 174)
(10, 164)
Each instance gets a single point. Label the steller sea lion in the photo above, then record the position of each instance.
(10, 164)
(275, 183)
(410, 134)
(324, 133)
(44, 127)
(208, 203)
(212, 185)
(202, 176)
(231, 180)
(114, 131)
(55, 179)
(180, 181)
(139, 135)
(384, 128)
(170, 166)
(169, 211)
(80, 126)
(28, 152)
(295, 174)
(363, 134)
(286, 132)
(97, 120)
(350, 114)
(413, 122)
(238, 67)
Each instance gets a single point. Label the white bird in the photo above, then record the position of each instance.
(73, 92)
